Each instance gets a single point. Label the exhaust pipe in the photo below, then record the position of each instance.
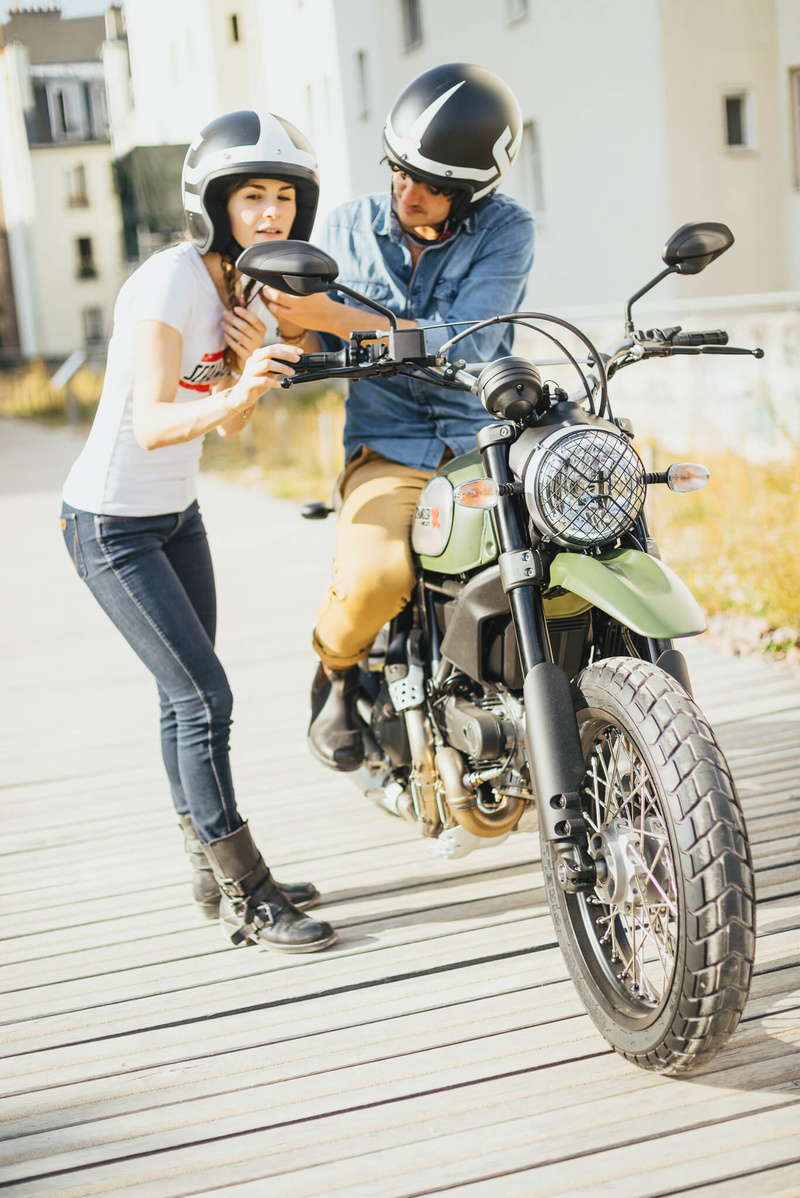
(463, 801)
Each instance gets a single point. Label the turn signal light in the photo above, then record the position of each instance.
(478, 492)
(687, 476)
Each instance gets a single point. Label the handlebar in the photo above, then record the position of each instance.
(366, 356)
(663, 343)
(712, 337)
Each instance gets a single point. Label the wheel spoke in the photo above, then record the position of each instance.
(636, 934)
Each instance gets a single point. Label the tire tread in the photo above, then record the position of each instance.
(715, 859)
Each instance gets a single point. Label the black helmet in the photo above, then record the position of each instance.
(245, 144)
(456, 127)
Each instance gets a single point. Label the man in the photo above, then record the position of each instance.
(440, 248)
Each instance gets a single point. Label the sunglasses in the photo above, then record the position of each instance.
(448, 193)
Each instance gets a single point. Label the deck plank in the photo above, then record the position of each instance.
(439, 1046)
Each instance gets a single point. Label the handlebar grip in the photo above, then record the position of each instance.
(711, 337)
(324, 361)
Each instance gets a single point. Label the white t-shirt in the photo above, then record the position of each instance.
(114, 475)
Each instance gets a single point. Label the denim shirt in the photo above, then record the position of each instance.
(481, 271)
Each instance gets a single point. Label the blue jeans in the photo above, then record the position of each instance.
(153, 577)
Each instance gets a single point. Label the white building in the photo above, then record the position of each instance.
(61, 208)
(639, 115)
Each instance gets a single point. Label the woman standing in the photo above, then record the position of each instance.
(130, 518)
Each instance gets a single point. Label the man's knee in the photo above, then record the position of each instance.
(367, 585)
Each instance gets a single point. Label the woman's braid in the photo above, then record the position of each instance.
(234, 300)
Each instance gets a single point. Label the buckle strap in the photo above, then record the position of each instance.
(254, 917)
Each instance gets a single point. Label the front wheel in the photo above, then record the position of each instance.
(661, 951)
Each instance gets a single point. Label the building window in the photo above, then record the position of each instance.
(67, 108)
(516, 10)
(77, 196)
(412, 24)
(92, 325)
(235, 35)
(530, 155)
(794, 94)
(362, 84)
(98, 110)
(739, 123)
(86, 266)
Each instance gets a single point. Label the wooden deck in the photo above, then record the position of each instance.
(439, 1047)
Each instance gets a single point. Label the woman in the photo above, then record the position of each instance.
(130, 518)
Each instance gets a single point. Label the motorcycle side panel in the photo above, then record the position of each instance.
(471, 542)
(634, 588)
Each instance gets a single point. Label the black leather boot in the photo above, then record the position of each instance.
(335, 732)
(253, 908)
(205, 890)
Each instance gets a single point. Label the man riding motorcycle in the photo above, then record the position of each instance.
(441, 247)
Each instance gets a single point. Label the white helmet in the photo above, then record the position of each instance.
(247, 145)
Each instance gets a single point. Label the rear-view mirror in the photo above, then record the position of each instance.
(292, 266)
(693, 247)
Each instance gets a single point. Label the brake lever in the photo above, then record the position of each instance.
(710, 349)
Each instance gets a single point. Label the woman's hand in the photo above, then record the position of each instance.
(263, 369)
(243, 332)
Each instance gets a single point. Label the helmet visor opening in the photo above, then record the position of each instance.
(435, 188)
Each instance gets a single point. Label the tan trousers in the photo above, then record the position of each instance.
(374, 571)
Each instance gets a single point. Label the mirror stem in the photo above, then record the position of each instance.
(362, 299)
(628, 319)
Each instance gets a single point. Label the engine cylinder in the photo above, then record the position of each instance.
(474, 731)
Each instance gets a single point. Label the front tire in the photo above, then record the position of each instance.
(662, 951)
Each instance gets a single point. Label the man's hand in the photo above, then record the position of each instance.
(323, 314)
(303, 311)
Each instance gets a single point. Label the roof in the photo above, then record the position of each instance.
(49, 38)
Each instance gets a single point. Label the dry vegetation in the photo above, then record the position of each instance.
(27, 392)
(735, 544)
(292, 447)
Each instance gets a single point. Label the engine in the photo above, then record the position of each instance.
(488, 729)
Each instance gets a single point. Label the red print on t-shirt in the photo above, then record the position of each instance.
(209, 370)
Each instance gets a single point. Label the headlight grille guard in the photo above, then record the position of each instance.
(585, 486)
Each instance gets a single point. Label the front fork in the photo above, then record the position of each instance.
(555, 757)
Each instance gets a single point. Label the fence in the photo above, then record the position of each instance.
(710, 403)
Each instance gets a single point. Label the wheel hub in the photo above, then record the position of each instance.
(624, 880)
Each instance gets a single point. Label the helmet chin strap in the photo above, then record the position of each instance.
(233, 249)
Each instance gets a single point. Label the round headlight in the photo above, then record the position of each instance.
(584, 485)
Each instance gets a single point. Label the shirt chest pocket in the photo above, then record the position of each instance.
(444, 292)
(374, 290)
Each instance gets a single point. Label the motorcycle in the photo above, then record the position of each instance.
(533, 683)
